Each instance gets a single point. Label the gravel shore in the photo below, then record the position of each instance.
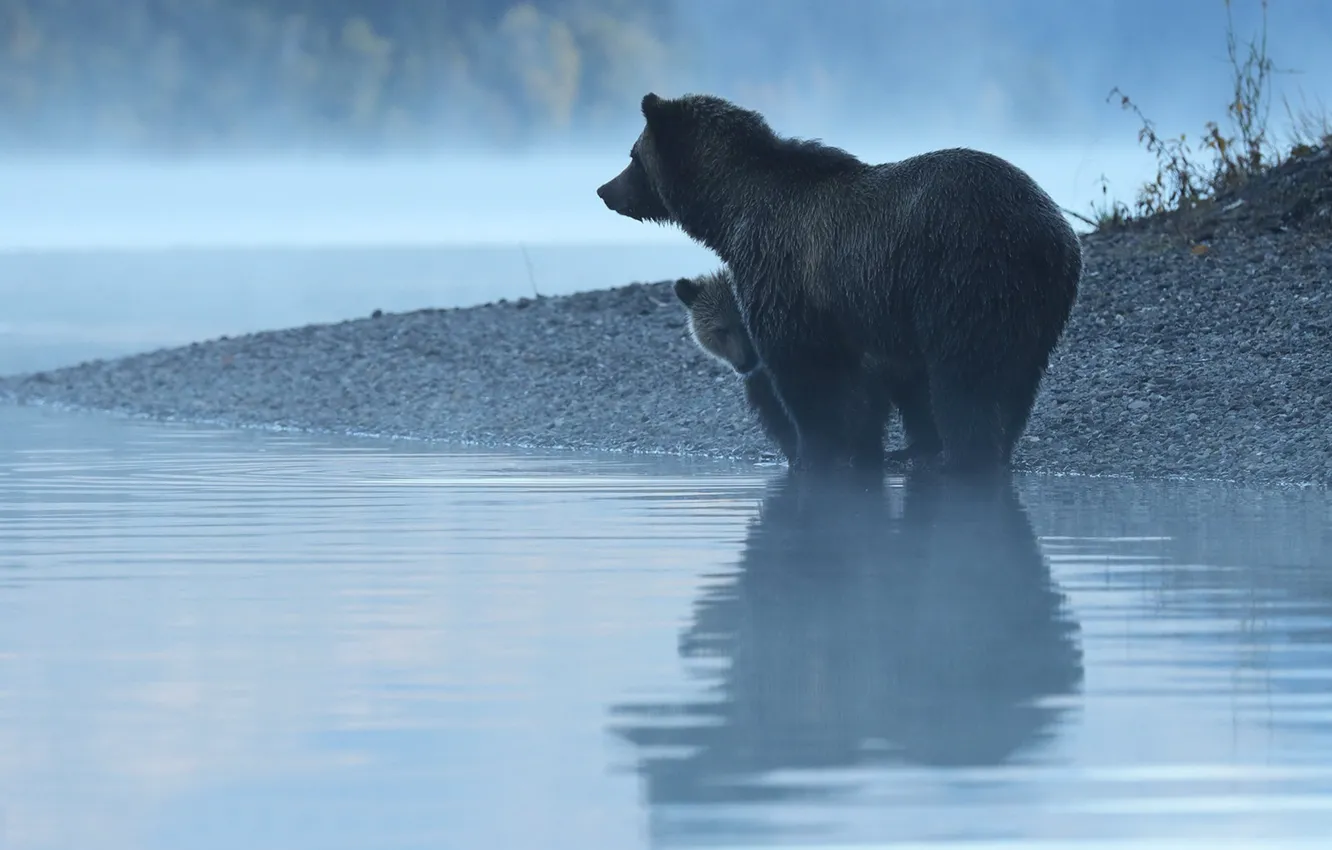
(1188, 355)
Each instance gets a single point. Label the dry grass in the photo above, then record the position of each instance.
(1189, 175)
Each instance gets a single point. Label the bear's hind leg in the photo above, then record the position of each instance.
(1017, 406)
(912, 398)
(970, 417)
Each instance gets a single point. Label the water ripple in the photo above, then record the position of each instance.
(222, 639)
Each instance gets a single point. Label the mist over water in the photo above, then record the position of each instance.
(106, 258)
(202, 174)
(230, 147)
(463, 200)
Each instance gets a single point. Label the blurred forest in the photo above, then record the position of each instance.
(184, 75)
(187, 76)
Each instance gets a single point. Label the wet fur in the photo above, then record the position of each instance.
(717, 327)
(954, 264)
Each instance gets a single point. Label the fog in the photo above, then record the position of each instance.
(463, 199)
(487, 125)
(213, 138)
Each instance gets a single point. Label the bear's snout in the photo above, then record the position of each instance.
(747, 362)
(614, 196)
(630, 194)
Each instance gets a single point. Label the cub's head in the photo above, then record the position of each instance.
(715, 322)
(687, 143)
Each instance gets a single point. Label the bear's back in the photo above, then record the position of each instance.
(956, 186)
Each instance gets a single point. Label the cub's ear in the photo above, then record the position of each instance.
(687, 290)
(650, 104)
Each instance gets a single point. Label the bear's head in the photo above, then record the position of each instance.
(678, 167)
(631, 193)
(715, 321)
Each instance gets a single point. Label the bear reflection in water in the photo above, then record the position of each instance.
(914, 625)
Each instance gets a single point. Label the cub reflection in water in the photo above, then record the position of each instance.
(914, 625)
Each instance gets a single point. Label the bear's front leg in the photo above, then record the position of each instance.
(772, 416)
(834, 423)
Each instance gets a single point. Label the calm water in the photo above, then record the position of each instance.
(62, 307)
(236, 639)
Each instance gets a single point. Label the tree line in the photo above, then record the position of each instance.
(181, 75)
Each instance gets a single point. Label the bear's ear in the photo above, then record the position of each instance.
(687, 291)
(656, 111)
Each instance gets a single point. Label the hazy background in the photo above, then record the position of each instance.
(204, 77)
(476, 131)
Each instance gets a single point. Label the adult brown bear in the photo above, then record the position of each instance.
(953, 265)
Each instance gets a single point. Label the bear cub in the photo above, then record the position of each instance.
(719, 330)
